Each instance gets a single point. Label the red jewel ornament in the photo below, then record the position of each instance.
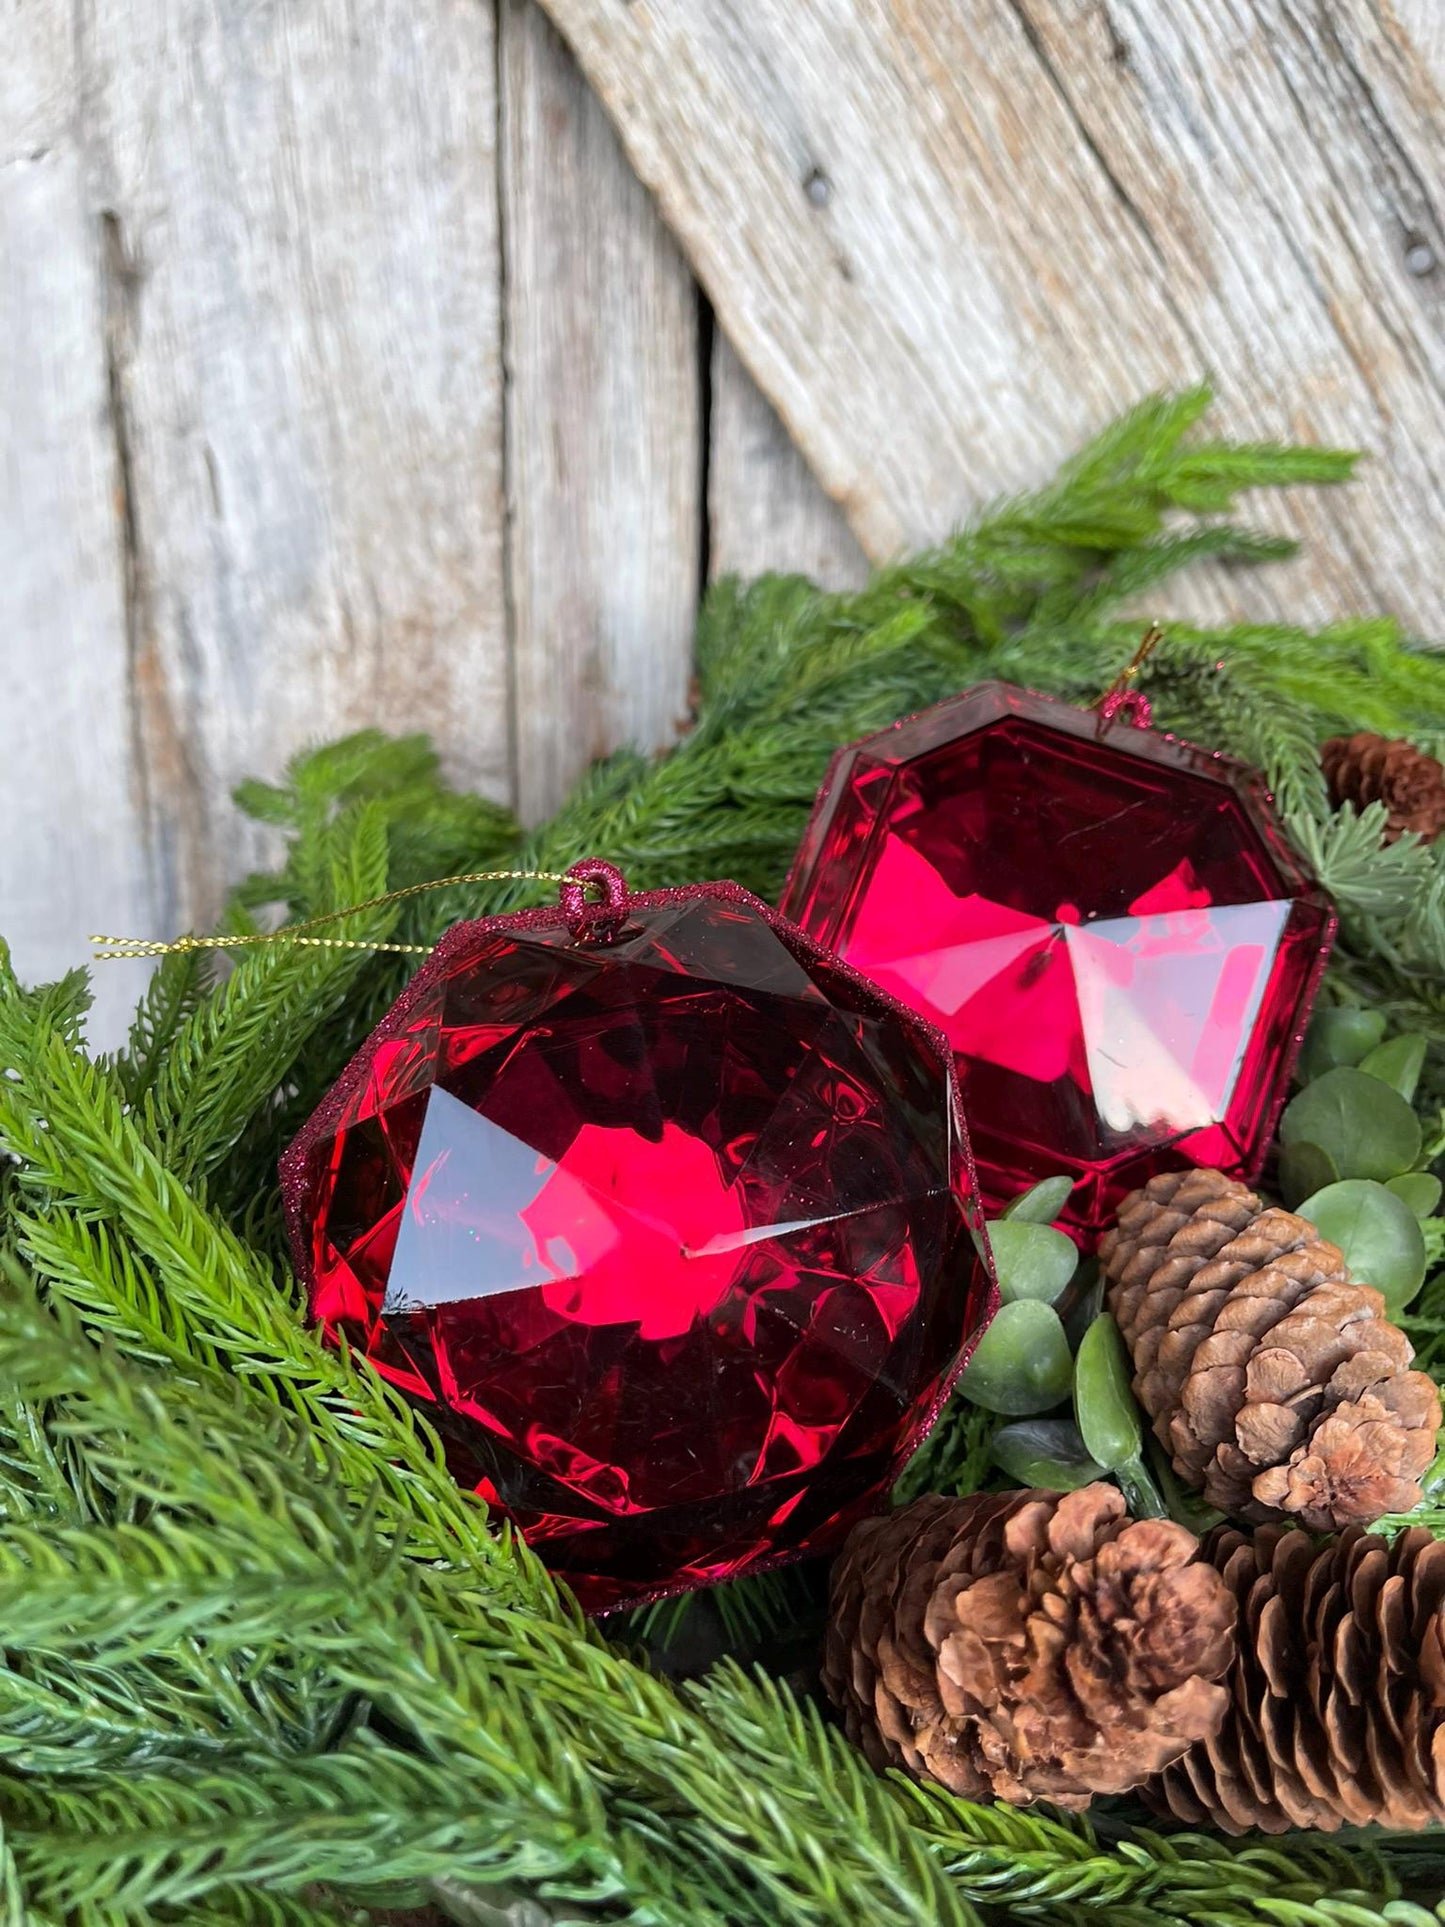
(1108, 925)
(669, 1216)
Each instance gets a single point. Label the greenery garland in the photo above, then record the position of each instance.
(262, 1660)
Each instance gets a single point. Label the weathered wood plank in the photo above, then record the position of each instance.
(1423, 25)
(603, 428)
(950, 238)
(303, 258)
(1282, 160)
(765, 510)
(72, 858)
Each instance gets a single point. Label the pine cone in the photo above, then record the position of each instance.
(1365, 769)
(1275, 1382)
(1025, 1645)
(1337, 1691)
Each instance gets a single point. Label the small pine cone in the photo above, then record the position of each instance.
(1274, 1381)
(1337, 1691)
(1025, 1645)
(1366, 769)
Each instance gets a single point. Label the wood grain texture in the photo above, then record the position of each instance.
(603, 427)
(765, 510)
(63, 645)
(1423, 23)
(299, 214)
(950, 238)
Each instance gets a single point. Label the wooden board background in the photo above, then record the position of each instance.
(353, 370)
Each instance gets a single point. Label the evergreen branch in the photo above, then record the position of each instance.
(1053, 1869)
(955, 1455)
(116, 1593)
(62, 1717)
(169, 1005)
(255, 1907)
(15, 1907)
(226, 1058)
(466, 1698)
(124, 1241)
(371, 1824)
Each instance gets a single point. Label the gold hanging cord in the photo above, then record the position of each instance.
(109, 949)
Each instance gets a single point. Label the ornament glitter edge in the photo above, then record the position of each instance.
(993, 700)
(581, 920)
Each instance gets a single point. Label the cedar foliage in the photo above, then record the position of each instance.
(260, 1659)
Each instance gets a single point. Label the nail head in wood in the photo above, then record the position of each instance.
(1420, 257)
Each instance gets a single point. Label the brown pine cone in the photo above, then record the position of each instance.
(1337, 1691)
(1275, 1382)
(1026, 1645)
(1365, 768)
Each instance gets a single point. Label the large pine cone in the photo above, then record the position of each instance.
(1275, 1383)
(1337, 1692)
(1025, 1645)
(1366, 769)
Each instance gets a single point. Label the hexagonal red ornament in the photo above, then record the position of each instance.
(1109, 926)
(669, 1218)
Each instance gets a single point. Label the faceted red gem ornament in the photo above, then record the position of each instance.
(1108, 925)
(669, 1216)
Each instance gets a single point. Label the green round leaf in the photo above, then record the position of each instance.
(1337, 1035)
(1043, 1203)
(1420, 1190)
(1364, 1125)
(1398, 1063)
(1045, 1451)
(1378, 1233)
(1033, 1260)
(1104, 1404)
(1021, 1364)
(1304, 1169)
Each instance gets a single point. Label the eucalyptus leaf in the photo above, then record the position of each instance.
(1362, 1123)
(1303, 1169)
(1433, 1483)
(1141, 1494)
(1032, 1260)
(1421, 1190)
(1339, 1034)
(1104, 1403)
(1043, 1202)
(1398, 1062)
(1088, 1301)
(1045, 1451)
(1378, 1233)
(1021, 1365)
(1180, 1501)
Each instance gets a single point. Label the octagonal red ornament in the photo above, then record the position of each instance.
(1109, 926)
(667, 1216)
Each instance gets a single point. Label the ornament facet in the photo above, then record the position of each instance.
(1109, 926)
(669, 1217)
